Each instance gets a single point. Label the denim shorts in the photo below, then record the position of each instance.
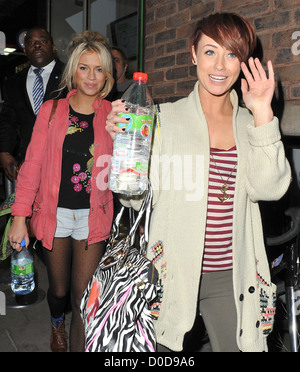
(74, 223)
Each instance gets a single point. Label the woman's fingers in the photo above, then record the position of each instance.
(255, 65)
(16, 243)
(260, 69)
(271, 71)
(17, 232)
(257, 72)
(113, 118)
(246, 72)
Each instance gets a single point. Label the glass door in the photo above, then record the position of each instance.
(119, 21)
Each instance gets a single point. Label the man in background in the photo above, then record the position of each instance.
(121, 66)
(23, 94)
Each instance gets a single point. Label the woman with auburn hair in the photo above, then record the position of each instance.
(206, 237)
(71, 214)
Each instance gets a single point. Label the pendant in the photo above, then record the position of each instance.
(225, 196)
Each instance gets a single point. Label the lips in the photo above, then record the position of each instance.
(38, 53)
(90, 86)
(217, 78)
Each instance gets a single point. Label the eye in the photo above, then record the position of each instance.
(209, 52)
(231, 55)
(82, 68)
(99, 69)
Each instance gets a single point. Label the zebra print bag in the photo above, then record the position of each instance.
(115, 306)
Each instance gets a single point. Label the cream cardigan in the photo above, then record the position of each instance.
(179, 176)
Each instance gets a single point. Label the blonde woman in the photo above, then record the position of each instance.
(71, 214)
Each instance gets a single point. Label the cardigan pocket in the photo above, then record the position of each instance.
(267, 299)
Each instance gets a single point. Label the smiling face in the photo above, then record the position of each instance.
(89, 78)
(217, 68)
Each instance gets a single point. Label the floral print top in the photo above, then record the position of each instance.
(77, 162)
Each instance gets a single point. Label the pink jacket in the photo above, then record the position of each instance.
(39, 179)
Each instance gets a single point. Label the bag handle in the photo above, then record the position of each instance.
(116, 224)
(145, 208)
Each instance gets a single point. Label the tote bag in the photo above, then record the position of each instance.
(116, 305)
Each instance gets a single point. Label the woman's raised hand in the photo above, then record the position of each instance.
(258, 90)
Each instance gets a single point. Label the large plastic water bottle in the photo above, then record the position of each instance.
(22, 273)
(129, 169)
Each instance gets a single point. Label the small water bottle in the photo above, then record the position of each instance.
(129, 168)
(22, 274)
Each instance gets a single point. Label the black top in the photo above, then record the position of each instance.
(77, 162)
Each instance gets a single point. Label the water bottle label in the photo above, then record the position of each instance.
(137, 168)
(141, 167)
(140, 123)
(22, 269)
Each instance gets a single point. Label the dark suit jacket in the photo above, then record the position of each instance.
(17, 117)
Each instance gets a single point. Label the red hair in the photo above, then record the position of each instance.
(229, 30)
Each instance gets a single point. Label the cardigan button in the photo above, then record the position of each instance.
(257, 324)
(241, 332)
(251, 290)
(241, 297)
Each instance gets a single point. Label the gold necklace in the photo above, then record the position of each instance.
(224, 188)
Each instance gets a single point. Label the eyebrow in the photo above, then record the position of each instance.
(210, 45)
(84, 64)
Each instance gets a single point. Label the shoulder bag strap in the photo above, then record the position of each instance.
(55, 102)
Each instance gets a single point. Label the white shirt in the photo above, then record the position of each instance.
(31, 78)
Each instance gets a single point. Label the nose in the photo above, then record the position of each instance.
(91, 74)
(220, 63)
(37, 44)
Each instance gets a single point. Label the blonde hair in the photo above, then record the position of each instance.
(86, 42)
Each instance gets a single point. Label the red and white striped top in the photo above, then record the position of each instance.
(218, 237)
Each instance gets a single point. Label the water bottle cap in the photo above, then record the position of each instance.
(23, 243)
(140, 76)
